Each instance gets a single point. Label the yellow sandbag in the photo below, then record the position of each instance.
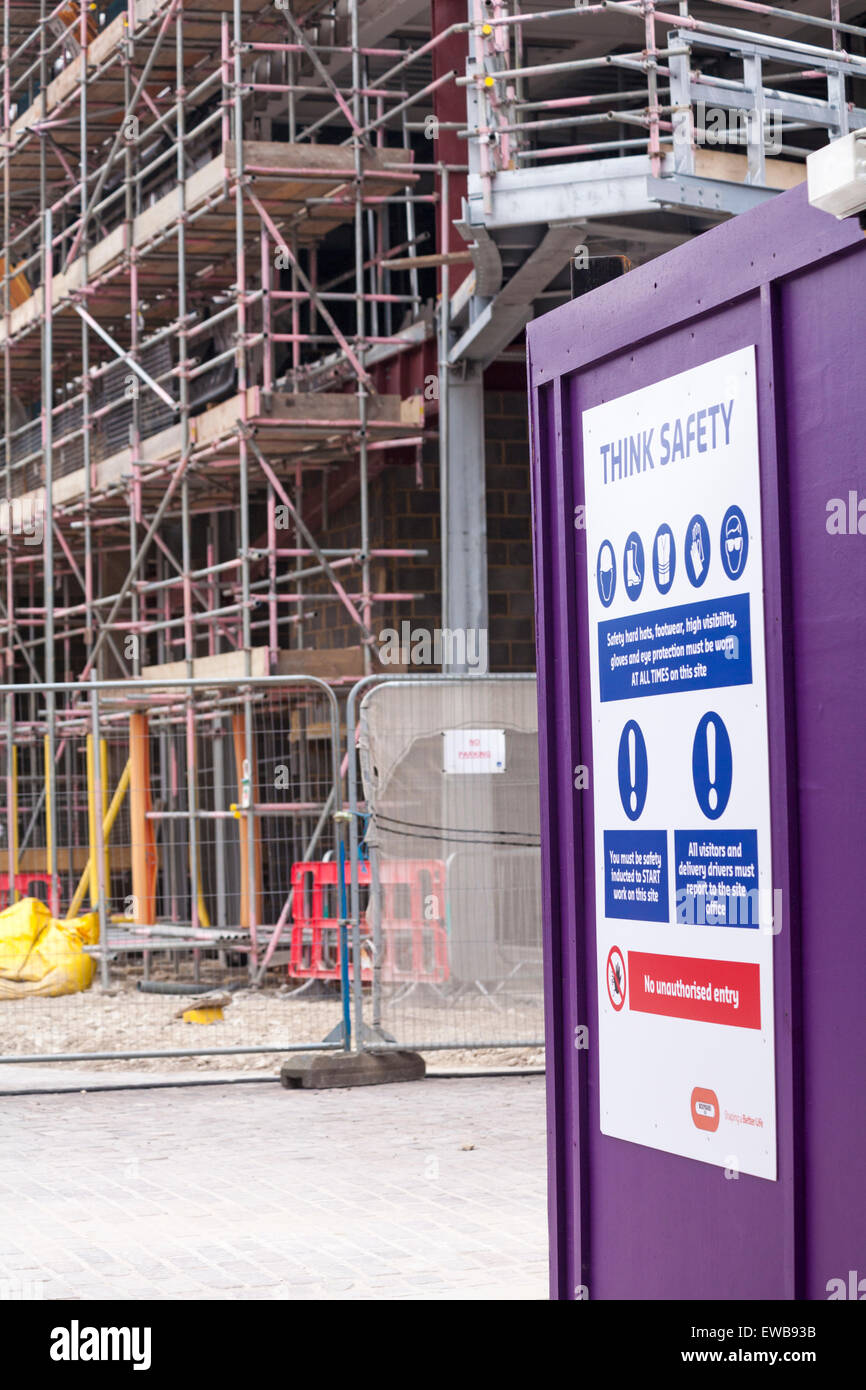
(40, 954)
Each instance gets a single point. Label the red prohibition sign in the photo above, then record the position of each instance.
(615, 977)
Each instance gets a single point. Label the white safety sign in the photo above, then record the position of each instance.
(685, 910)
(473, 750)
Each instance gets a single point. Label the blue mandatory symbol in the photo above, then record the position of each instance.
(734, 542)
(712, 766)
(664, 558)
(697, 550)
(632, 770)
(633, 566)
(605, 573)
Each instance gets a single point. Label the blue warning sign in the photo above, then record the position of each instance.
(605, 573)
(632, 770)
(633, 566)
(734, 542)
(712, 765)
(696, 550)
(664, 558)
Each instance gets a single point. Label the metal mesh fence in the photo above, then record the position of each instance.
(446, 862)
(179, 877)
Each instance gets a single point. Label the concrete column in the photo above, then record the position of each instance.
(464, 508)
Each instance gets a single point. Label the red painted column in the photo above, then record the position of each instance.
(449, 104)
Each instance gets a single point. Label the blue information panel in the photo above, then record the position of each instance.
(636, 875)
(704, 645)
(716, 875)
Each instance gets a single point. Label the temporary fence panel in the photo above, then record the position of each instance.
(176, 813)
(448, 840)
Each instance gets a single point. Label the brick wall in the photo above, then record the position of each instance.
(509, 533)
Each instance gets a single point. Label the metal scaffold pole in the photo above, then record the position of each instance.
(246, 772)
(48, 553)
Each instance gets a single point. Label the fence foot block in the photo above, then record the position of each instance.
(321, 1071)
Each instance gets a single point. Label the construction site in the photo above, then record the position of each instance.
(267, 585)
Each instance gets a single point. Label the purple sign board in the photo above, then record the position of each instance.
(699, 499)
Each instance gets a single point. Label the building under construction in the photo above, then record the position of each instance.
(265, 273)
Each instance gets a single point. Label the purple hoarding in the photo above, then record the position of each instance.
(641, 1203)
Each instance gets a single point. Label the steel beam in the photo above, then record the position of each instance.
(706, 197)
(502, 319)
(567, 192)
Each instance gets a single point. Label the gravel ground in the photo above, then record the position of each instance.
(123, 1019)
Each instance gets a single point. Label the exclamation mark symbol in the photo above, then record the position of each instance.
(632, 779)
(713, 795)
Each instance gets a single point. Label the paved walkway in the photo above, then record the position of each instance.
(432, 1189)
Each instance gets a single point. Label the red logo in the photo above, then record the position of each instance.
(705, 1109)
(615, 976)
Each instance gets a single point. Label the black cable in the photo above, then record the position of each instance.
(450, 839)
(449, 829)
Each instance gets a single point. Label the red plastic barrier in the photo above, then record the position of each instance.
(315, 953)
(414, 935)
(24, 884)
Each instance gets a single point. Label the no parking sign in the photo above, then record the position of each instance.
(684, 902)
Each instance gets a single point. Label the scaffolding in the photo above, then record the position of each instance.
(178, 377)
(239, 242)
